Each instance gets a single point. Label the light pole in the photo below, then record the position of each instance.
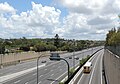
(92, 51)
(67, 65)
(56, 57)
(2, 50)
(37, 66)
(0, 57)
(74, 53)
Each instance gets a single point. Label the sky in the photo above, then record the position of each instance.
(70, 19)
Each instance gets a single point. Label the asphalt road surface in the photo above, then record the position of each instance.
(50, 72)
(95, 76)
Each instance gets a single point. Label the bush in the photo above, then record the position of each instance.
(25, 48)
(39, 47)
(84, 60)
(72, 70)
(61, 83)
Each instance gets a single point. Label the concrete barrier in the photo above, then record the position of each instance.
(14, 58)
(112, 67)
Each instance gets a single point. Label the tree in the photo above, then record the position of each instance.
(25, 48)
(109, 35)
(56, 41)
(40, 47)
(2, 49)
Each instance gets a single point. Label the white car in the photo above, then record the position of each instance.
(76, 57)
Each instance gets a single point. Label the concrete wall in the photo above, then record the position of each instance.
(112, 67)
(14, 58)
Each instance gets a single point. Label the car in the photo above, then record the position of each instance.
(76, 57)
(43, 61)
(70, 57)
(87, 67)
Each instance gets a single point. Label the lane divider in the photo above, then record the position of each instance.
(79, 73)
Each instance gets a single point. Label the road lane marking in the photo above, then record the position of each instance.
(64, 74)
(40, 75)
(91, 59)
(14, 75)
(34, 74)
(93, 70)
(61, 76)
(45, 69)
(80, 79)
(101, 68)
(52, 74)
(39, 82)
(26, 83)
(17, 81)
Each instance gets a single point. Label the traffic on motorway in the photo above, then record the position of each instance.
(50, 72)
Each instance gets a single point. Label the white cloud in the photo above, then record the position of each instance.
(97, 20)
(41, 21)
(83, 6)
(86, 19)
(6, 8)
(90, 19)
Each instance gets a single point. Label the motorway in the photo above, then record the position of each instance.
(95, 76)
(50, 72)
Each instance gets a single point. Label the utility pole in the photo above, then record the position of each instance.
(74, 53)
(37, 67)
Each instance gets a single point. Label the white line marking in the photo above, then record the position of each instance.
(80, 79)
(26, 83)
(39, 82)
(52, 74)
(101, 68)
(17, 81)
(91, 59)
(93, 70)
(117, 56)
(59, 77)
(40, 75)
(10, 76)
(34, 74)
(45, 69)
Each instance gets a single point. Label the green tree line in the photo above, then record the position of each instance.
(47, 44)
(113, 37)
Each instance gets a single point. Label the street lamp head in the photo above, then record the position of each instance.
(55, 56)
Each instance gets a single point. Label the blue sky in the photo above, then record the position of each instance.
(25, 5)
(71, 19)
